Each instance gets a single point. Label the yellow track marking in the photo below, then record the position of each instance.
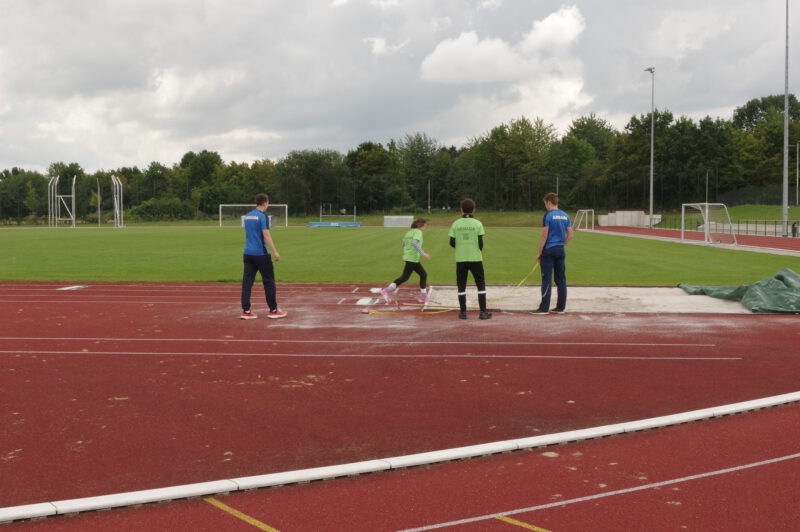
(521, 524)
(236, 513)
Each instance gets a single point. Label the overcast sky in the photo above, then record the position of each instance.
(111, 83)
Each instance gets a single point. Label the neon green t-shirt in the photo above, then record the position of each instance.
(410, 254)
(466, 232)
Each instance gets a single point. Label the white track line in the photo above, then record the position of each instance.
(370, 342)
(607, 494)
(118, 500)
(388, 356)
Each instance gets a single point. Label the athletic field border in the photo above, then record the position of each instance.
(135, 498)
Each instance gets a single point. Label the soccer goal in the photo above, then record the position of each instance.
(232, 214)
(328, 213)
(710, 220)
(584, 219)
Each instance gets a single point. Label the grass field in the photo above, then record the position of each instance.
(364, 255)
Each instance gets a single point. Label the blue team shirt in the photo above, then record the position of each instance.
(255, 221)
(557, 222)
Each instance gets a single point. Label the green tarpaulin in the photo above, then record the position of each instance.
(777, 294)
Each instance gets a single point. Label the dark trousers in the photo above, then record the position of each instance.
(476, 269)
(553, 263)
(413, 267)
(263, 265)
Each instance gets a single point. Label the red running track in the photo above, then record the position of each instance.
(121, 387)
(768, 242)
(734, 473)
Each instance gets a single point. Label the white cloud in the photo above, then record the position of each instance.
(491, 4)
(109, 83)
(385, 4)
(467, 59)
(540, 75)
(556, 31)
(380, 47)
(441, 23)
(682, 32)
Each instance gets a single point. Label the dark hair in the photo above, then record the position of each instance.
(261, 199)
(467, 206)
(418, 222)
(552, 197)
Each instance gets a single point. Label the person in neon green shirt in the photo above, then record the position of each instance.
(466, 236)
(412, 251)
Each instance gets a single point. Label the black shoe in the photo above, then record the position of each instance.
(485, 315)
(558, 311)
(539, 312)
(462, 315)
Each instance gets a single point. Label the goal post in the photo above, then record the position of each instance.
(326, 210)
(584, 219)
(231, 214)
(711, 220)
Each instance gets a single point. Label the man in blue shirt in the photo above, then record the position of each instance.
(258, 259)
(557, 232)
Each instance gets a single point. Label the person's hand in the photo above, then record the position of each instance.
(427, 256)
(276, 256)
(539, 257)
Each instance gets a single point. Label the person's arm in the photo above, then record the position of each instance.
(569, 235)
(480, 242)
(452, 241)
(415, 243)
(268, 241)
(542, 242)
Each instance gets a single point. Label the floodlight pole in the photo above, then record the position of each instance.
(785, 204)
(652, 71)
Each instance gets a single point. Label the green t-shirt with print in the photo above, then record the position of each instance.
(410, 254)
(466, 231)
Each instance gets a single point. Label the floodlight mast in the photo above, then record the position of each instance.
(652, 71)
(785, 194)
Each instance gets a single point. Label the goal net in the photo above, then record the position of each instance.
(328, 212)
(709, 222)
(232, 214)
(584, 219)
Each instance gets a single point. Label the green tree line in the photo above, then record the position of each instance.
(509, 168)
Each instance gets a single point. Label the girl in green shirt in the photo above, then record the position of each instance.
(412, 251)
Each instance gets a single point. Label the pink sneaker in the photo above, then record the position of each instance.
(249, 316)
(387, 295)
(424, 297)
(276, 314)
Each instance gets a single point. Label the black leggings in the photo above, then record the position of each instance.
(476, 269)
(413, 267)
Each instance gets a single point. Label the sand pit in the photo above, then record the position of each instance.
(615, 299)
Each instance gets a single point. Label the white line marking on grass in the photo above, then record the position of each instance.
(339, 355)
(368, 342)
(607, 494)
